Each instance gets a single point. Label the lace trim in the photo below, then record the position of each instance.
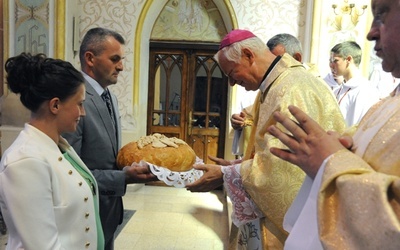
(244, 209)
(176, 179)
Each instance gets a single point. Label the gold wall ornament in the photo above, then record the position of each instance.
(347, 14)
(349, 8)
(189, 20)
(31, 26)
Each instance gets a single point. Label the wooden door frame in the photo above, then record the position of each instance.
(150, 105)
(172, 46)
(222, 132)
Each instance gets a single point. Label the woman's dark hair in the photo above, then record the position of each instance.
(38, 78)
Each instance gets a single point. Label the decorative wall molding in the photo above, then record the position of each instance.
(120, 16)
(189, 20)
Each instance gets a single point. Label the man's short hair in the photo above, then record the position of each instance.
(93, 41)
(291, 43)
(348, 48)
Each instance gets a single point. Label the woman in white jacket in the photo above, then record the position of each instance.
(48, 196)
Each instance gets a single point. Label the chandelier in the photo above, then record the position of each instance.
(349, 8)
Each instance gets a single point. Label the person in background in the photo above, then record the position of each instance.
(242, 121)
(334, 81)
(262, 186)
(356, 94)
(287, 43)
(383, 81)
(48, 197)
(98, 137)
(351, 197)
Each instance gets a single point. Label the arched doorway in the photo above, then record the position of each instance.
(187, 91)
(188, 96)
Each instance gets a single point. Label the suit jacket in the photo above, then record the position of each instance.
(43, 198)
(97, 142)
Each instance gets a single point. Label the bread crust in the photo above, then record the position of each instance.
(179, 158)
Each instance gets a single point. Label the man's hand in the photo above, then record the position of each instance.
(346, 141)
(237, 120)
(211, 179)
(309, 145)
(138, 173)
(224, 162)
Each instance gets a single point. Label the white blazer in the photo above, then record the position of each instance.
(45, 202)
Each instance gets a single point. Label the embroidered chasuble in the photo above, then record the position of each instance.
(271, 182)
(359, 199)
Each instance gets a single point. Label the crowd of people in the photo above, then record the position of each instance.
(319, 169)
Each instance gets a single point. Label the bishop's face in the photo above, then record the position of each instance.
(240, 73)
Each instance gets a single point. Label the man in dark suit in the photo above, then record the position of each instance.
(98, 136)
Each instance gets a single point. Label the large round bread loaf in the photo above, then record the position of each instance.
(172, 153)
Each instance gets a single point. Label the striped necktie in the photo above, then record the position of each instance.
(107, 99)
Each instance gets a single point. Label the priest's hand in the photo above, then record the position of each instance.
(211, 179)
(308, 143)
(346, 141)
(237, 120)
(224, 162)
